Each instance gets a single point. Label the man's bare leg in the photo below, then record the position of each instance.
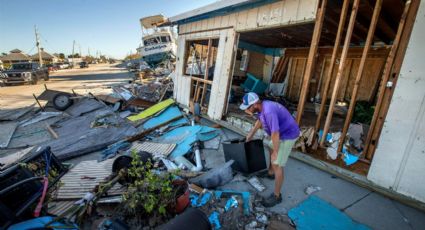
(278, 179)
(271, 170)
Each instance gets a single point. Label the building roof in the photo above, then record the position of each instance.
(15, 55)
(44, 55)
(221, 7)
(16, 51)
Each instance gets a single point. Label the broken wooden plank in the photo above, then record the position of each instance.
(341, 67)
(359, 75)
(311, 58)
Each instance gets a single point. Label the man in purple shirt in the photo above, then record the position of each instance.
(283, 131)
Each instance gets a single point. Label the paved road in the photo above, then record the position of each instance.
(64, 80)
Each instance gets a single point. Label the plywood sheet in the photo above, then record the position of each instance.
(6, 132)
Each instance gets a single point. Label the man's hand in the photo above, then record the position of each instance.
(253, 131)
(248, 138)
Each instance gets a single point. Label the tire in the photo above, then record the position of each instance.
(62, 101)
(46, 77)
(34, 79)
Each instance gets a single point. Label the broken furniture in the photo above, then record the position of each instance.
(248, 156)
(253, 84)
(21, 186)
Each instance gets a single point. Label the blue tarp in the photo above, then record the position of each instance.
(315, 213)
(40, 223)
(185, 136)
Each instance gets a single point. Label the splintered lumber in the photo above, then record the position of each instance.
(311, 58)
(328, 79)
(359, 75)
(341, 67)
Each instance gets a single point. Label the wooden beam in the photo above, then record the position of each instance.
(311, 58)
(359, 75)
(207, 66)
(385, 77)
(328, 79)
(341, 66)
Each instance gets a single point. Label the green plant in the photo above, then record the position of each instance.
(150, 193)
(363, 112)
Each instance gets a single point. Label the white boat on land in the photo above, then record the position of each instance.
(158, 44)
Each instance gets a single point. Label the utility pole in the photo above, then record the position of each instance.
(73, 60)
(37, 42)
(81, 54)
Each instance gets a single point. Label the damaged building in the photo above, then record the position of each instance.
(349, 71)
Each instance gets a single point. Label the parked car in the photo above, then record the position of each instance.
(84, 64)
(24, 72)
(51, 67)
(63, 65)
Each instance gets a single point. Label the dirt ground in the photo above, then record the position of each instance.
(64, 80)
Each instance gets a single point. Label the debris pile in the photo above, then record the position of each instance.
(135, 159)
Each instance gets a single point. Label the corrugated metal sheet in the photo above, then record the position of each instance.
(75, 187)
(153, 148)
(58, 208)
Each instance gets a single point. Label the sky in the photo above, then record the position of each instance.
(109, 26)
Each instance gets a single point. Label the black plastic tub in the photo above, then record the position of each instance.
(248, 156)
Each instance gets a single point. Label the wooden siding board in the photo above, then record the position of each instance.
(269, 15)
(306, 10)
(289, 14)
(222, 73)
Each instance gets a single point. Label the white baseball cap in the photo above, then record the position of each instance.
(248, 100)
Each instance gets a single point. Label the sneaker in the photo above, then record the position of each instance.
(272, 200)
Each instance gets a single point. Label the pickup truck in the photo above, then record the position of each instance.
(24, 72)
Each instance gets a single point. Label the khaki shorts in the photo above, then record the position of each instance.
(285, 148)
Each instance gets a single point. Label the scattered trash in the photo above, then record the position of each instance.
(231, 203)
(256, 183)
(262, 218)
(215, 177)
(312, 189)
(214, 220)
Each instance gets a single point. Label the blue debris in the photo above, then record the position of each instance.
(328, 136)
(199, 202)
(112, 150)
(40, 223)
(185, 136)
(215, 222)
(166, 115)
(231, 203)
(245, 198)
(349, 158)
(315, 213)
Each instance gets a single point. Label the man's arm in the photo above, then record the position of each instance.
(276, 142)
(254, 129)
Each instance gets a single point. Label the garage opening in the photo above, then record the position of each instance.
(332, 75)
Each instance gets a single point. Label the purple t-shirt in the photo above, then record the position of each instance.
(276, 118)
